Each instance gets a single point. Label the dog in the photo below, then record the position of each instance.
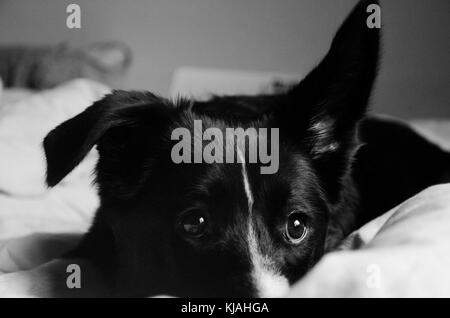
(226, 229)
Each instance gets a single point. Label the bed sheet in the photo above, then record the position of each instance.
(408, 245)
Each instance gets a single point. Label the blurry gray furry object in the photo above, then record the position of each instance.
(41, 67)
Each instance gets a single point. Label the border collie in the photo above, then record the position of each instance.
(212, 229)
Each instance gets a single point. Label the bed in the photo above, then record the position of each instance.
(405, 252)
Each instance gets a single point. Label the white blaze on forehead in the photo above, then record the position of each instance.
(248, 190)
(268, 280)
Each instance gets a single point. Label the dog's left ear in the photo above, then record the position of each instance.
(324, 108)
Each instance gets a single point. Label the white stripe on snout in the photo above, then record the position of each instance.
(268, 281)
(265, 275)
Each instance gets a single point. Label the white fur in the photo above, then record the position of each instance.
(269, 282)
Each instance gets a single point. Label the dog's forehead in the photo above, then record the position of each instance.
(219, 186)
(232, 185)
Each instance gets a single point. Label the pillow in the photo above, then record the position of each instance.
(25, 123)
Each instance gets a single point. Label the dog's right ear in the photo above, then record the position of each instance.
(67, 145)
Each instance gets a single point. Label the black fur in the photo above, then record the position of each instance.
(335, 179)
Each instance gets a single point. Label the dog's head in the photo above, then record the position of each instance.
(222, 229)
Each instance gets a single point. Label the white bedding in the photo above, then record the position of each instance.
(403, 253)
(26, 205)
(411, 248)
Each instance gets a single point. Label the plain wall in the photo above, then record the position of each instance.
(270, 36)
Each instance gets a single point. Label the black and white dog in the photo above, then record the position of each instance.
(225, 229)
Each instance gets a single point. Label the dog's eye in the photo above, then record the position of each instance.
(296, 229)
(193, 223)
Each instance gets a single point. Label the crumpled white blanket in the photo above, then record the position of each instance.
(26, 204)
(405, 252)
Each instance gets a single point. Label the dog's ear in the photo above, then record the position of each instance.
(325, 107)
(67, 145)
